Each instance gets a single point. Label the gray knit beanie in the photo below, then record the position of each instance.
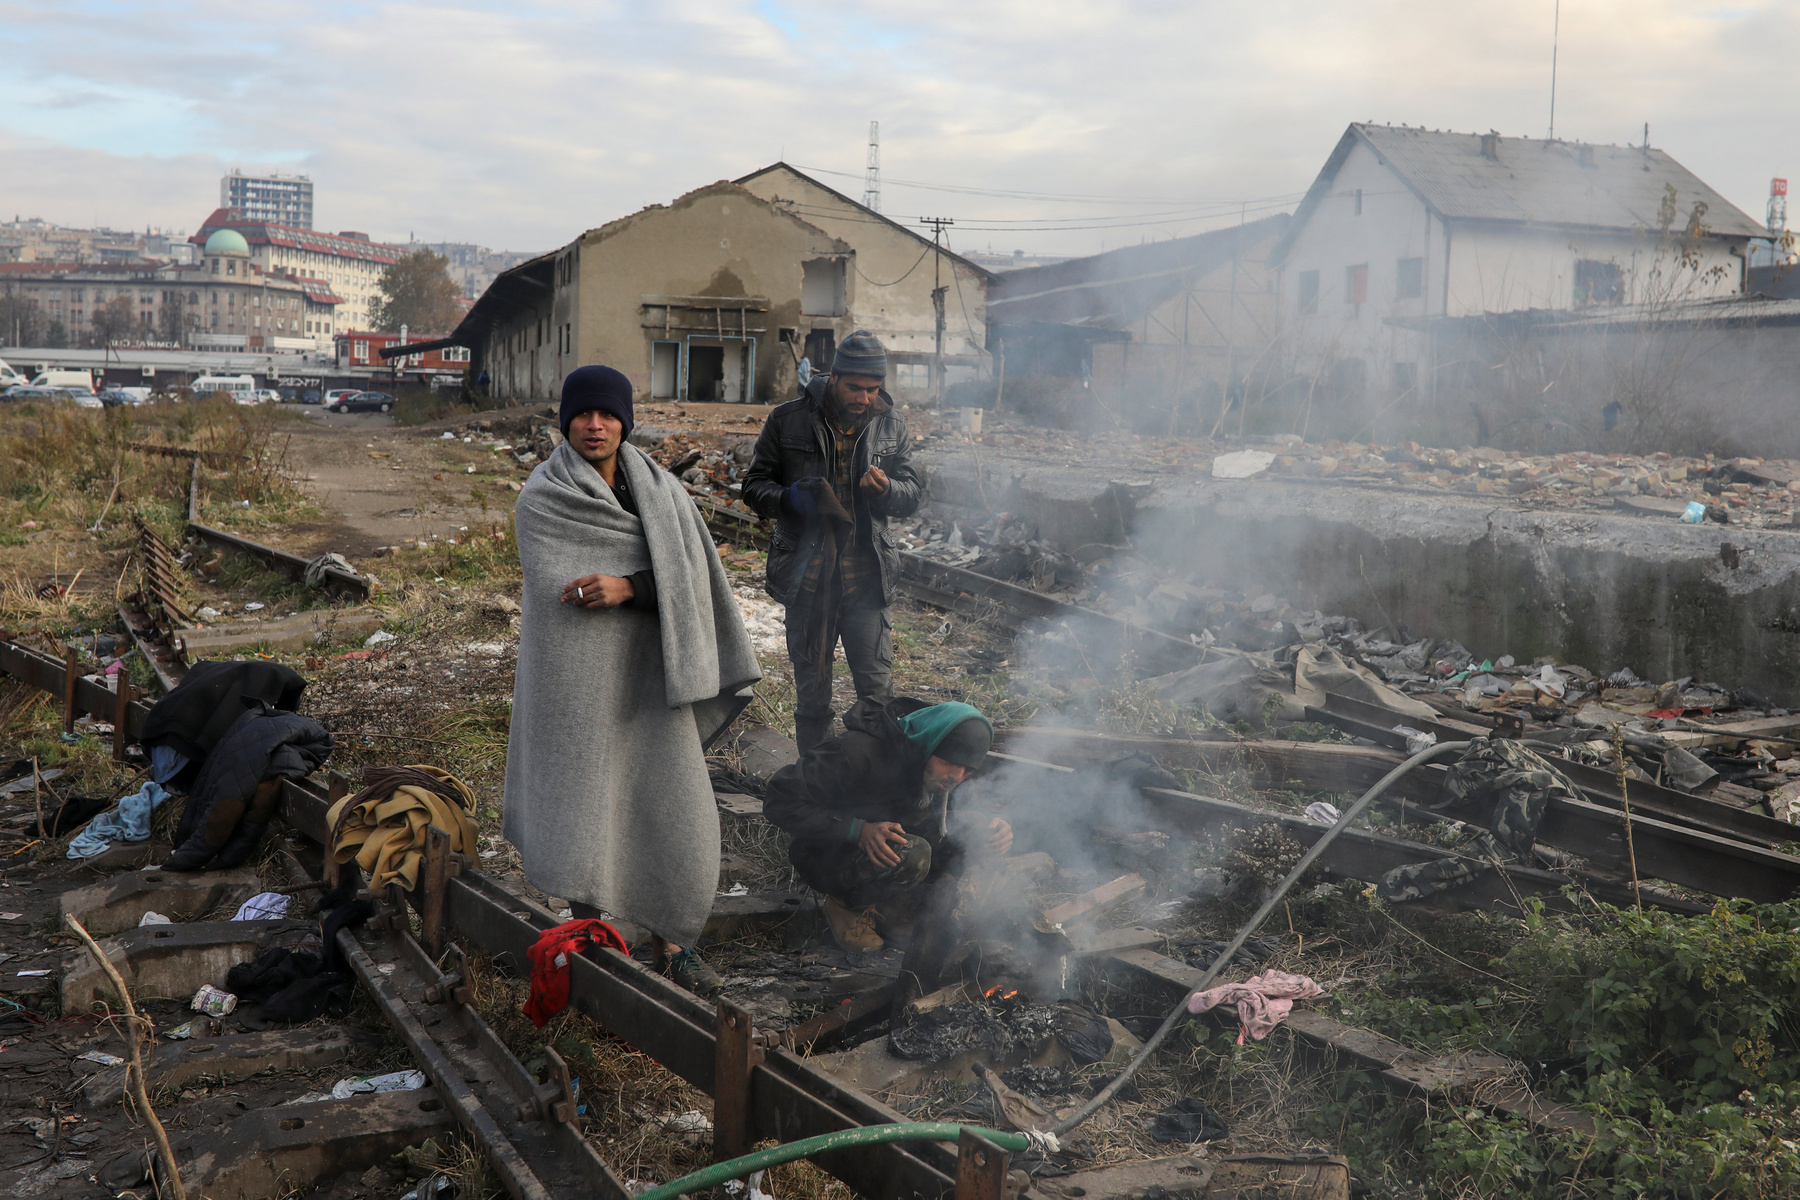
(861, 354)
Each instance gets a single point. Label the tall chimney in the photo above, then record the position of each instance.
(1490, 145)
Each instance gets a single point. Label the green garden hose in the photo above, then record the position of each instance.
(866, 1135)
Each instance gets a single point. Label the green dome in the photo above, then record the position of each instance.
(227, 241)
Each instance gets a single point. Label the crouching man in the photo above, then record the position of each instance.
(868, 811)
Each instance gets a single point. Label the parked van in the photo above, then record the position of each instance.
(224, 383)
(75, 381)
(8, 376)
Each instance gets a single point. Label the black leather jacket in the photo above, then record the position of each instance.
(795, 444)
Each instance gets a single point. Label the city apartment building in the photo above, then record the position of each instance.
(222, 302)
(277, 199)
(346, 265)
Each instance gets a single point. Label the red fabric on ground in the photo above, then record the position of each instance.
(550, 963)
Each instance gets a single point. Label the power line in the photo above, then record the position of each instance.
(1058, 197)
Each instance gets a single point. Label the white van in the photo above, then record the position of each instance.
(8, 376)
(235, 384)
(75, 381)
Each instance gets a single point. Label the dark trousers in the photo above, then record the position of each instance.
(841, 869)
(869, 648)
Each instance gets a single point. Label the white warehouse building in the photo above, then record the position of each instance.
(1404, 227)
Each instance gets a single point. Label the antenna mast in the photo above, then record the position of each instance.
(1555, 35)
(872, 177)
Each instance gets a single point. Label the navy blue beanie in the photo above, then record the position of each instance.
(599, 387)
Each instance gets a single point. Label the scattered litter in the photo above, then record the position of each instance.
(99, 1056)
(1187, 1121)
(1324, 812)
(212, 1001)
(736, 889)
(433, 1187)
(264, 906)
(255, 606)
(692, 1124)
(393, 1081)
(25, 785)
(32, 974)
(1241, 464)
(736, 1190)
(1417, 740)
(470, 469)
(153, 918)
(380, 637)
(181, 1032)
(209, 612)
(1694, 513)
(446, 436)
(4, 916)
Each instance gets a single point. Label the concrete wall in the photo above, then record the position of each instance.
(1468, 269)
(1193, 346)
(1595, 589)
(890, 285)
(719, 241)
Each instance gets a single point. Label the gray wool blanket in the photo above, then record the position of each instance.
(607, 796)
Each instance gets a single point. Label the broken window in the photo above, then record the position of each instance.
(1406, 376)
(1309, 291)
(1356, 284)
(912, 375)
(822, 288)
(1409, 279)
(1598, 282)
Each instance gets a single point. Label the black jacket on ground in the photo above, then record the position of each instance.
(265, 743)
(209, 700)
(797, 443)
(873, 772)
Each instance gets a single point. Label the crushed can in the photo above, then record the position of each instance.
(213, 1001)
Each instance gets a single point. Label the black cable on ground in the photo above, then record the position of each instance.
(1105, 1095)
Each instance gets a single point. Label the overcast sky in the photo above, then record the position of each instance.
(519, 124)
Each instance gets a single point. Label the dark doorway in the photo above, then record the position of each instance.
(706, 374)
(821, 348)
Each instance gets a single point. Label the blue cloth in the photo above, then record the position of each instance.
(130, 822)
(166, 763)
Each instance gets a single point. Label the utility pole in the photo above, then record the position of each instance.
(872, 176)
(938, 224)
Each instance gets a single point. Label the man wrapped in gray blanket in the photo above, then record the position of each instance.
(632, 657)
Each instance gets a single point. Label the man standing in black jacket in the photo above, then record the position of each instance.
(831, 467)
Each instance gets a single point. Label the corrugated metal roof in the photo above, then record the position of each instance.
(1115, 288)
(1532, 181)
(1550, 182)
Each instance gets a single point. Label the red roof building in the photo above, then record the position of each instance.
(348, 264)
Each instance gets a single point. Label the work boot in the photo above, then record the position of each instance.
(810, 731)
(853, 931)
(690, 971)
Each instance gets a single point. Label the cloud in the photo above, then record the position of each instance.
(520, 124)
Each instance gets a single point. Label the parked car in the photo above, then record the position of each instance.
(311, 396)
(363, 402)
(336, 394)
(114, 397)
(26, 391)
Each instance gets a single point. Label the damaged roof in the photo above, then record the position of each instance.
(1119, 287)
(1531, 181)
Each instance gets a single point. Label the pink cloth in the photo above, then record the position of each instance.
(1262, 1000)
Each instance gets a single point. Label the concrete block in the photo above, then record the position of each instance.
(121, 902)
(167, 961)
(231, 1058)
(281, 633)
(288, 1149)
